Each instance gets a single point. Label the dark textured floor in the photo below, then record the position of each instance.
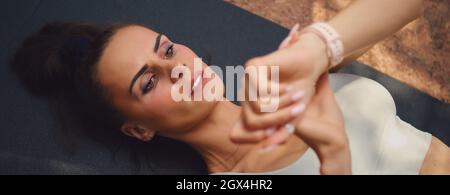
(417, 55)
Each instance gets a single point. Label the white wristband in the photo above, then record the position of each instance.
(330, 36)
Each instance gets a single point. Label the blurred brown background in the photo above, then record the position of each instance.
(418, 55)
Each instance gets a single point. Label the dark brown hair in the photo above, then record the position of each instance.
(59, 62)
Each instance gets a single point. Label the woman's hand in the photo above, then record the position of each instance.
(321, 125)
(321, 128)
(301, 60)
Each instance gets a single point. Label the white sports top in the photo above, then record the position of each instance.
(380, 142)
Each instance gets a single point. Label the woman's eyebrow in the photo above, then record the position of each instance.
(145, 67)
(158, 39)
(138, 74)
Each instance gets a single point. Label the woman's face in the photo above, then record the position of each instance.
(135, 69)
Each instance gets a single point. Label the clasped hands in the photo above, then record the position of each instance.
(306, 104)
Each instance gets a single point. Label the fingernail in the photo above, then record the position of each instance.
(298, 96)
(287, 40)
(289, 88)
(284, 43)
(290, 128)
(297, 109)
(269, 148)
(270, 131)
(264, 99)
(294, 29)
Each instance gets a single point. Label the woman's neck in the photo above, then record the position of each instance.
(211, 138)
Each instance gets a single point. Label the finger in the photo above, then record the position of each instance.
(256, 85)
(308, 88)
(293, 32)
(271, 103)
(288, 41)
(294, 38)
(285, 43)
(281, 135)
(275, 140)
(240, 135)
(254, 121)
(292, 65)
(278, 138)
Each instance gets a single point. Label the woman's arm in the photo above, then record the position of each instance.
(305, 58)
(379, 24)
(381, 18)
(437, 159)
(361, 25)
(366, 22)
(349, 59)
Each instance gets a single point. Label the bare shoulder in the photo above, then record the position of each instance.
(437, 159)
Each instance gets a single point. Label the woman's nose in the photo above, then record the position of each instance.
(179, 74)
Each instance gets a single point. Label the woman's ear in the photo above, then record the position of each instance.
(135, 131)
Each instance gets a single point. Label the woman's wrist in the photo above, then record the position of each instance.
(336, 160)
(336, 167)
(317, 50)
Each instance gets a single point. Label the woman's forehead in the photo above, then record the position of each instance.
(129, 49)
(129, 43)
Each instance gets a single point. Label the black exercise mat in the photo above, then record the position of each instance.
(27, 141)
(230, 35)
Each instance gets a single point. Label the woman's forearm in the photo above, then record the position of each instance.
(350, 58)
(366, 22)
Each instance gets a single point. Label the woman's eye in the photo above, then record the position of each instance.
(169, 52)
(151, 83)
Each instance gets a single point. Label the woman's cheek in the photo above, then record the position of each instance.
(186, 53)
(162, 98)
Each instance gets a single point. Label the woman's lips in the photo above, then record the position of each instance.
(196, 81)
